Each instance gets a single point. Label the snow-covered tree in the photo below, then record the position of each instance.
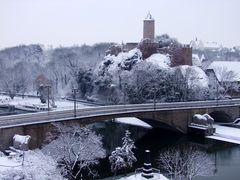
(185, 162)
(117, 160)
(165, 40)
(123, 157)
(16, 79)
(85, 79)
(127, 147)
(78, 150)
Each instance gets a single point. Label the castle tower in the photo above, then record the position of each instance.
(148, 27)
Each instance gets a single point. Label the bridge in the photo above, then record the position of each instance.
(177, 115)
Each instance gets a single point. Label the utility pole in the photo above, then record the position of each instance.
(75, 101)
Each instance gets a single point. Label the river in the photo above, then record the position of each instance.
(225, 156)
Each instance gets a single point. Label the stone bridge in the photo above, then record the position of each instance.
(173, 115)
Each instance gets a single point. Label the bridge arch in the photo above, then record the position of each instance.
(160, 124)
(221, 116)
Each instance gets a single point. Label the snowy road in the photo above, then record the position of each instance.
(53, 116)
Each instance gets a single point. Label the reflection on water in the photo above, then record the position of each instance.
(226, 156)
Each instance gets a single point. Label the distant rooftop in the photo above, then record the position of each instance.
(198, 44)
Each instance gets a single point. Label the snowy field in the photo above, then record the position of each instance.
(133, 121)
(35, 102)
(227, 134)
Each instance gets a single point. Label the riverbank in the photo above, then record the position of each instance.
(227, 134)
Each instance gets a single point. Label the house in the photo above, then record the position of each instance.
(227, 74)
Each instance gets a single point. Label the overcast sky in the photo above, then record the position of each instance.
(72, 22)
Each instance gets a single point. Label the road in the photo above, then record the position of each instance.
(53, 116)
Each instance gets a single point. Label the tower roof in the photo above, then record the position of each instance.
(149, 17)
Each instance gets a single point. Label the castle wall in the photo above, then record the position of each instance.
(179, 55)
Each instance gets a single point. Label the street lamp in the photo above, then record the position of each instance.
(217, 90)
(75, 101)
(48, 94)
(154, 97)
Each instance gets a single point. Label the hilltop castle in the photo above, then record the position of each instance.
(179, 54)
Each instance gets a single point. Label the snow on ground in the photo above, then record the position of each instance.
(6, 163)
(36, 166)
(35, 102)
(228, 134)
(139, 177)
(160, 60)
(133, 121)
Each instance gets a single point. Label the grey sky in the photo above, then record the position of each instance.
(69, 22)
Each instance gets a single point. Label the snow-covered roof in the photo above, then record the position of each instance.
(219, 66)
(149, 17)
(196, 44)
(199, 44)
(213, 45)
(196, 60)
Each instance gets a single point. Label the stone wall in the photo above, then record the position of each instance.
(178, 55)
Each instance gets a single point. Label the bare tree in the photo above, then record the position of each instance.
(185, 163)
(226, 79)
(76, 149)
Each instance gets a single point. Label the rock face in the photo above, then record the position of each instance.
(204, 119)
(21, 142)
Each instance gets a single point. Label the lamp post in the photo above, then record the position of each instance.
(48, 95)
(75, 101)
(217, 90)
(154, 98)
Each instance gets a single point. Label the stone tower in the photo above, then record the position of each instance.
(148, 27)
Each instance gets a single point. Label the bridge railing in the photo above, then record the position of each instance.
(108, 110)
